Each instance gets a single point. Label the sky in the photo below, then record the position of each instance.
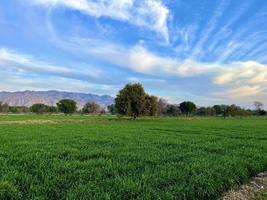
(206, 51)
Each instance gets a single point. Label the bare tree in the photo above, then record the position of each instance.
(162, 106)
(258, 105)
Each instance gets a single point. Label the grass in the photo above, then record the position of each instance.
(262, 195)
(110, 158)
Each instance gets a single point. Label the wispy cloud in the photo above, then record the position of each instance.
(209, 29)
(150, 14)
(226, 30)
(12, 81)
(10, 59)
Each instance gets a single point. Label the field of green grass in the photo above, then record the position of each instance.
(111, 158)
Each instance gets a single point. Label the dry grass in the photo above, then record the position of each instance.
(29, 122)
(249, 191)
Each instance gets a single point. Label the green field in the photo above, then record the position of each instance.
(111, 158)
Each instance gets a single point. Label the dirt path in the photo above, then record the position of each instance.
(40, 122)
(250, 190)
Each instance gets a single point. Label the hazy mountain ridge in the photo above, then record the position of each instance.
(28, 98)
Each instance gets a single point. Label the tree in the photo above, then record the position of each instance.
(67, 106)
(39, 108)
(13, 109)
(3, 107)
(150, 106)
(262, 112)
(91, 107)
(258, 105)
(52, 109)
(187, 107)
(23, 109)
(220, 109)
(210, 111)
(172, 110)
(130, 100)
(112, 109)
(162, 105)
(201, 111)
(102, 112)
(233, 110)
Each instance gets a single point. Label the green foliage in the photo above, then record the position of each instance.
(172, 110)
(112, 109)
(187, 107)
(39, 108)
(262, 195)
(149, 158)
(262, 112)
(220, 109)
(206, 111)
(130, 100)
(8, 191)
(232, 110)
(91, 108)
(67, 106)
(18, 109)
(42, 108)
(52, 109)
(4, 107)
(150, 106)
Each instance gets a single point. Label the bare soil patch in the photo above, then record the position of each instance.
(249, 191)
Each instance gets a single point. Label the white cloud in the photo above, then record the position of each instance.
(150, 14)
(240, 73)
(12, 82)
(142, 60)
(243, 81)
(240, 79)
(12, 60)
(136, 58)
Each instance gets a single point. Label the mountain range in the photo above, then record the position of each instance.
(28, 98)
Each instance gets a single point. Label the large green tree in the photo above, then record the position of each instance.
(187, 107)
(130, 100)
(67, 106)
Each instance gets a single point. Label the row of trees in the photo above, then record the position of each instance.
(133, 101)
(5, 108)
(66, 106)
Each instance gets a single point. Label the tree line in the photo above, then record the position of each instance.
(134, 102)
(66, 106)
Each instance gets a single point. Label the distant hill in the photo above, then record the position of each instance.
(28, 98)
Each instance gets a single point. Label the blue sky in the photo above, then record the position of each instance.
(208, 51)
